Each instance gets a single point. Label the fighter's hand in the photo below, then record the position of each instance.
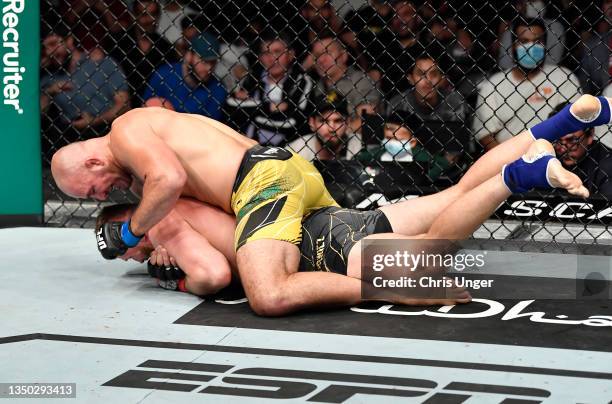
(163, 267)
(114, 238)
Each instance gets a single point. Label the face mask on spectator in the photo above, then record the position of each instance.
(397, 148)
(530, 55)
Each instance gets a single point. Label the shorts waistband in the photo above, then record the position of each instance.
(241, 169)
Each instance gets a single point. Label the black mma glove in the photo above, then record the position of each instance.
(165, 273)
(114, 238)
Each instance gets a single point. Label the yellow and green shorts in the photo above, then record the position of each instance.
(273, 191)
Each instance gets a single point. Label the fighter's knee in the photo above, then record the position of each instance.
(211, 281)
(272, 303)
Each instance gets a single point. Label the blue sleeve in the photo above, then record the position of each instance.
(216, 101)
(154, 86)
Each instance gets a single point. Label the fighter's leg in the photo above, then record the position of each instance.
(537, 168)
(268, 271)
(587, 111)
(415, 216)
(460, 219)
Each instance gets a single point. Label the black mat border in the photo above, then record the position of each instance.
(306, 354)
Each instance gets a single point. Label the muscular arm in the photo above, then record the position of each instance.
(139, 150)
(207, 270)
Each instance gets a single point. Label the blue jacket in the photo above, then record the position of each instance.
(168, 82)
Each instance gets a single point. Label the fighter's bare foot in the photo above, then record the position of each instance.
(558, 176)
(586, 108)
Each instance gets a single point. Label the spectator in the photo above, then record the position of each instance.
(398, 144)
(367, 22)
(370, 19)
(190, 85)
(141, 50)
(335, 76)
(271, 105)
(331, 138)
(446, 35)
(393, 52)
(320, 16)
(431, 98)
(586, 157)
(89, 91)
(512, 100)
(555, 34)
(596, 67)
(92, 23)
(170, 18)
(233, 63)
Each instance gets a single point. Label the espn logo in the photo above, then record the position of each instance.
(100, 239)
(321, 387)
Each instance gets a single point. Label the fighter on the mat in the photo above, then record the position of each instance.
(274, 189)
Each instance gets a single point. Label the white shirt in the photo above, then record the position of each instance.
(231, 55)
(508, 106)
(307, 146)
(169, 23)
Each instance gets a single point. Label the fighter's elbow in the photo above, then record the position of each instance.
(172, 181)
(176, 179)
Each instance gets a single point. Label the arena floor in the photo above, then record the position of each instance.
(69, 316)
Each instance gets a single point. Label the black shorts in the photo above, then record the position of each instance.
(329, 233)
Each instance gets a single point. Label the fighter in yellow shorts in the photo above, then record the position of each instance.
(274, 190)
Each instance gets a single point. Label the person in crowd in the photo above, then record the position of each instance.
(233, 63)
(331, 66)
(271, 104)
(595, 69)
(93, 23)
(431, 96)
(588, 158)
(141, 49)
(87, 92)
(189, 85)
(318, 16)
(172, 13)
(432, 99)
(446, 35)
(514, 99)
(365, 24)
(392, 54)
(331, 138)
(400, 145)
(554, 40)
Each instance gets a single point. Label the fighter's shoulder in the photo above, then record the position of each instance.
(131, 122)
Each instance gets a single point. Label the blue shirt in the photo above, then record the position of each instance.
(94, 84)
(167, 81)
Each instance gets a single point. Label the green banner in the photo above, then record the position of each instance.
(20, 158)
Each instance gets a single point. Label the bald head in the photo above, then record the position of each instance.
(85, 170)
(67, 164)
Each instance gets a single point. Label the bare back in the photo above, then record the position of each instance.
(209, 151)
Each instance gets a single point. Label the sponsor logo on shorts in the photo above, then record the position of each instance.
(321, 387)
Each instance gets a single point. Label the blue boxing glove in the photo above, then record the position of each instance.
(114, 238)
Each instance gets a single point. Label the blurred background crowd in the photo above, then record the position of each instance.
(387, 92)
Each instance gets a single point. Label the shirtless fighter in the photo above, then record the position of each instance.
(270, 190)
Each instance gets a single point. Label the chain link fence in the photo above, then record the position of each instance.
(389, 99)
